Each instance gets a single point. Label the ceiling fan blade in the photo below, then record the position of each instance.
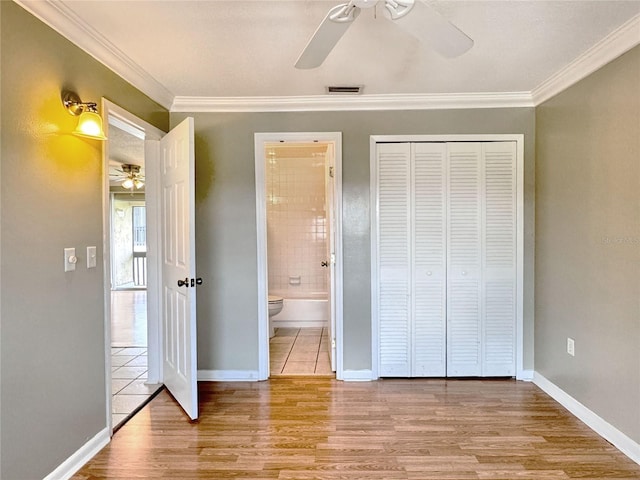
(431, 28)
(327, 35)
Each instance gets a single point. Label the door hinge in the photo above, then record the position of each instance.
(331, 174)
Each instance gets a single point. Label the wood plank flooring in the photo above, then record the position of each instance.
(320, 428)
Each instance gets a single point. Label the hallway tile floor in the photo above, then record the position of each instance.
(129, 389)
(300, 351)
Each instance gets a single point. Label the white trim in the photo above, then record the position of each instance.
(374, 208)
(525, 376)
(299, 323)
(261, 242)
(127, 127)
(152, 197)
(116, 115)
(520, 257)
(609, 48)
(228, 375)
(357, 375)
(65, 21)
(603, 428)
(323, 103)
(77, 460)
(519, 139)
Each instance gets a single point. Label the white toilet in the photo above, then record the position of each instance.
(275, 307)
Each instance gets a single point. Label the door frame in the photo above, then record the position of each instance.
(260, 139)
(141, 129)
(375, 320)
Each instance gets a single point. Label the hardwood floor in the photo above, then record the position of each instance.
(319, 428)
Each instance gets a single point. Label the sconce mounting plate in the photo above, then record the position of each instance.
(72, 103)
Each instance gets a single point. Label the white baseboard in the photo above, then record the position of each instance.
(357, 375)
(525, 375)
(85, 453)
(603, 428)
(228, 375)
(298, 323)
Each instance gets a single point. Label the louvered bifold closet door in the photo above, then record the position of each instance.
(428, 358)
(464, 260)
(394, 249)
(499, 259)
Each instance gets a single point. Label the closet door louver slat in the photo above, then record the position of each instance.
(464, 260)
(429, 273)
(499, 263)
(394, 258)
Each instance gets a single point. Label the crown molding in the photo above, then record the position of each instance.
(609, 48)
(67, 23)
(62, 19)
(324, 103)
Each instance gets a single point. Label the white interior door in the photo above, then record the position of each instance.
(331, 248)
(177, 167)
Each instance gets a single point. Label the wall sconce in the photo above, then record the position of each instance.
(89, 123)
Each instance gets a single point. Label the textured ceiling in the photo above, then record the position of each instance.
(124, 148)
(248, 48)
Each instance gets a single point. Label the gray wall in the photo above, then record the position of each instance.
(226, 219)
(588, 242)
(52, 351)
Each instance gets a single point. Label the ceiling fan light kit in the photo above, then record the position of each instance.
(133, 177)
(424, 23)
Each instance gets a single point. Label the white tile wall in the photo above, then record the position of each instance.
(296, 226)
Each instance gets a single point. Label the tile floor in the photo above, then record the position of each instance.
(300, 351)
(129, 389)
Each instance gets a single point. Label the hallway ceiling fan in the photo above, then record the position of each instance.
(130, 175)
(415, 16)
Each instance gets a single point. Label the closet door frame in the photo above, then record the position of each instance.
(373, 150)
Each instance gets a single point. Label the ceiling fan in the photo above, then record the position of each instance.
(415, 16)
(130, 175)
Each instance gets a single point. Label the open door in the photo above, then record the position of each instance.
(331, 248)
(179, 357)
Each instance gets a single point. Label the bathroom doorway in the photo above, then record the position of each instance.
(298, 185)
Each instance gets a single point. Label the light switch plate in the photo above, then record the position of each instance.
(70, 259)
(571, 347)
(92, 253)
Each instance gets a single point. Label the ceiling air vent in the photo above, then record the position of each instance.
(344, 90)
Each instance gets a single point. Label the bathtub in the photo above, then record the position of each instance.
(312, 310)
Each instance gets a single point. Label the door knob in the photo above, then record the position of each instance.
(325, 264)
(183, 283)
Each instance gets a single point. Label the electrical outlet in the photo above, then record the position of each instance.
(571, 346)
